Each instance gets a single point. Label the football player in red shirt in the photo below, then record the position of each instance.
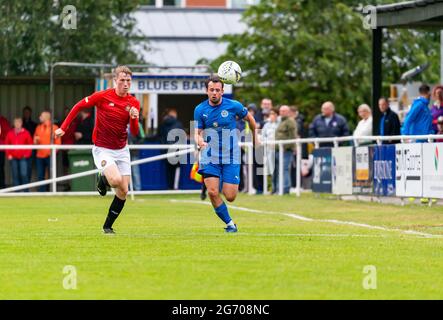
(115, 109)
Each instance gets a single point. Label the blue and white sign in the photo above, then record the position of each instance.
(322, 175)
(384, 170)
(162, 84)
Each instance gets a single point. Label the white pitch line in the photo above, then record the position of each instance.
(251, 234)
(303, 218)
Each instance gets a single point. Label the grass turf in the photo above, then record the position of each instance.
(178, 250)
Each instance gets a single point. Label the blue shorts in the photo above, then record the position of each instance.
(229, 173)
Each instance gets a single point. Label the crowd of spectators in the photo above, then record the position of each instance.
(285, 122)
(25, 131)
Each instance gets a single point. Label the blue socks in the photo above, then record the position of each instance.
(222, 212)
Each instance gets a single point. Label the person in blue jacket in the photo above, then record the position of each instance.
(418, 121)
(328, 124)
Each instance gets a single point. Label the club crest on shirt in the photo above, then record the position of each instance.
(224, 113)
(128, 108)
(111, 104)
(103, 163)
(215, 124)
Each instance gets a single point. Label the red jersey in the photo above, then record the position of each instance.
(20, 137)
(112, 118)
(4, 127)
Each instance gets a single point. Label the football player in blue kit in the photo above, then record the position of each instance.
(217, 139)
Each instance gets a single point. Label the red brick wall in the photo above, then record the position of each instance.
(206, 3)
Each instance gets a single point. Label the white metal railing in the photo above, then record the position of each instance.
(189, 148)
(335, 140)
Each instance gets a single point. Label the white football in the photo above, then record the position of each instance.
(229, 72)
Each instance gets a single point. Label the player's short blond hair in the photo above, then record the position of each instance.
(123, 69)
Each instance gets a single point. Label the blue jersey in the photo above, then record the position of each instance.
(220, 130)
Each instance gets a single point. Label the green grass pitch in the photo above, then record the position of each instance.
(178, 249)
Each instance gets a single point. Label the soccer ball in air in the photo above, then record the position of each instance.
(229, 72)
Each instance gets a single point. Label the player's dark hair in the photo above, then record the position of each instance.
(424, 89)
(385, 99)
(213, 78)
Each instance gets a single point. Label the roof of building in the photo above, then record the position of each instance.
(183, 36)
(411, 14)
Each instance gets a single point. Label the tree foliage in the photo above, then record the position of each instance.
(306, 52)
(33, 37)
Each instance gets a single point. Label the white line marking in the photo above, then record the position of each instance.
(302, 218)
(221, 234)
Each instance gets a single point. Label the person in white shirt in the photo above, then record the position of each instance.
(268, 134)
(364, 127)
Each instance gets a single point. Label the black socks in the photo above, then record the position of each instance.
(114, 211)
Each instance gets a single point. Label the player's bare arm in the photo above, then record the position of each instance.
(199, 140)
(253, 125)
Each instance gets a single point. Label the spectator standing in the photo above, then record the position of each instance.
(439, 128)
(18, 159)
(265, 110)
(364, 126)
(389, 121)
(257, 166)
(437, 106)
(42, 136)
(169, 123)
(418, 121)
(268, 134)
(258, 117)
(299, 120)
(328, 124)
(85, 127)
(4, 129)
(28, 123)
(286, 130)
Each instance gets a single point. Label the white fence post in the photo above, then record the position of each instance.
(250, 148)
(265, 170)
(280, 168)
(298, 161)
(54, 169)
